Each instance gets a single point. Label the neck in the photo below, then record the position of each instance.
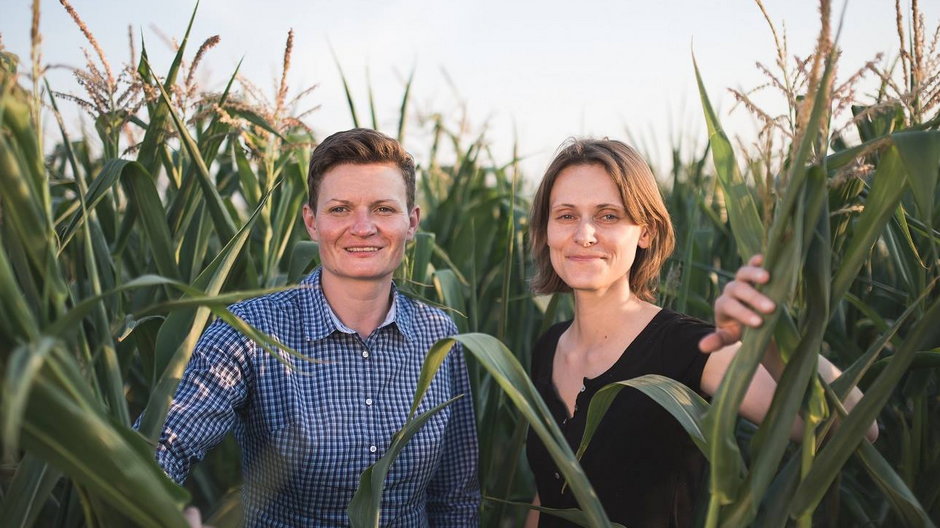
(361, 305)
(599, 314)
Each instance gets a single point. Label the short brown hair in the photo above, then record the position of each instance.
(359, 146)
(641, 200)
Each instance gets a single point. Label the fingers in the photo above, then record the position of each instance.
(742, 292)
(752, 274)
(740, 301)
(739, 305)
(717, 340)
(735, 307)
(193, 517)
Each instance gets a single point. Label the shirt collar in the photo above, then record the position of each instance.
(389, 319)
(320, 320)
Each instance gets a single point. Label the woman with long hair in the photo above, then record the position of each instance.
(600, 230)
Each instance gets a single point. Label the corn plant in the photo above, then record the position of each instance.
(814, 266)
(118, 249)
(112, 267)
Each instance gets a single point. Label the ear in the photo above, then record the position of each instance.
(645, 238)
(310, 221)
(414, 218)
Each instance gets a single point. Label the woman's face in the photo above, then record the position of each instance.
(592, 242)
(362, 221)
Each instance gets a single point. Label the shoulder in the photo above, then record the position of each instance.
(423, 318)
(424, 325)
(267, 313)
(543, 352)
(679, 328)
(546, 342)
(270, 307)
(678, 352)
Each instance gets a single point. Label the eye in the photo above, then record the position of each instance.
(609, 217)
(564, 216)
(338, 209)
(384, 209)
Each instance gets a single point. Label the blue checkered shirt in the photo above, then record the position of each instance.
(307, 431)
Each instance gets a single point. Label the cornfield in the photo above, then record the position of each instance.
(119, 248)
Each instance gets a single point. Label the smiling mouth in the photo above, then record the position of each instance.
(370, 249)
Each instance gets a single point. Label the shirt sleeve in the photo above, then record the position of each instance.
(204, 406)
(686, 356)
(454, 490)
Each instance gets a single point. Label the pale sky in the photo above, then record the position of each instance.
(546, 69)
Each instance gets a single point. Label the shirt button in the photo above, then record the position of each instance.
(373, 449)
(368, 401)
(583, 388)
(365, 353)
(557, 476)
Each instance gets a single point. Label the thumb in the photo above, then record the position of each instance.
(193, 517)
(717, 340)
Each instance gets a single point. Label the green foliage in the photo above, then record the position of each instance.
(812, 268)
(117, 252)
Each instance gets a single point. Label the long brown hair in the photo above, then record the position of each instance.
(641, 200)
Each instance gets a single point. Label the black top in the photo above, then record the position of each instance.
(642, 464)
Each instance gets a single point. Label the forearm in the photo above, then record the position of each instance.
(828, 372)
(203, 409)
(532, 519)
(193, 426)
(742, 306)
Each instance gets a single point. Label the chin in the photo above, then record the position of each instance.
(371, 274)
(586, 287)
(589, 283)
(364, 273)
(583, 284)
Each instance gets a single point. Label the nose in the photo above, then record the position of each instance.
(585, 234)
(363, 224)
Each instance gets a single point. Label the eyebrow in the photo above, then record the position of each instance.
(383, 201)
(599, 206)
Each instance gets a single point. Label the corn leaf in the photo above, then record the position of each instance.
(114, 463)
(508, 373)
(886, 190)
(851, 431)
(905, 503)
(213, 202)
(742, 211)
(687, 407)
(920, 154)
(27, 493)
(365, 507)
(450, 291)
(155, 135)
(21, 372)
(181, 330)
